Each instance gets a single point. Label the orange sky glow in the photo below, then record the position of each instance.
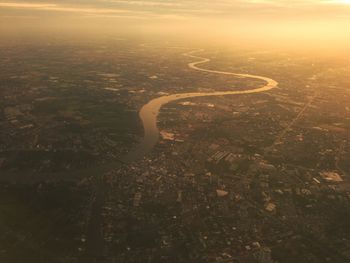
(309, 21)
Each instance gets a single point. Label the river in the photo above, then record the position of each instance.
(150, 111)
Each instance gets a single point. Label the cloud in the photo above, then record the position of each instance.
(172, 9)
(26, 5)
(147, 3)
(61, 8)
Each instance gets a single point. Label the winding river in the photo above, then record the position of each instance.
(150, 111)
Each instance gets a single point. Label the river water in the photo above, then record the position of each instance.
(150, 111)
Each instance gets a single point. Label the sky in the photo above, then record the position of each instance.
(179, 9)
(321, 21)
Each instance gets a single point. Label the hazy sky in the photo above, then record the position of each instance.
(180, 9)
(317, 19)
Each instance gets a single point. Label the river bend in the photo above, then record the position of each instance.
(150, 111)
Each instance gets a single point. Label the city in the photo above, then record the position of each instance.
(136, 149)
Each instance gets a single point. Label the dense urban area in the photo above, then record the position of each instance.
(251, 178)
